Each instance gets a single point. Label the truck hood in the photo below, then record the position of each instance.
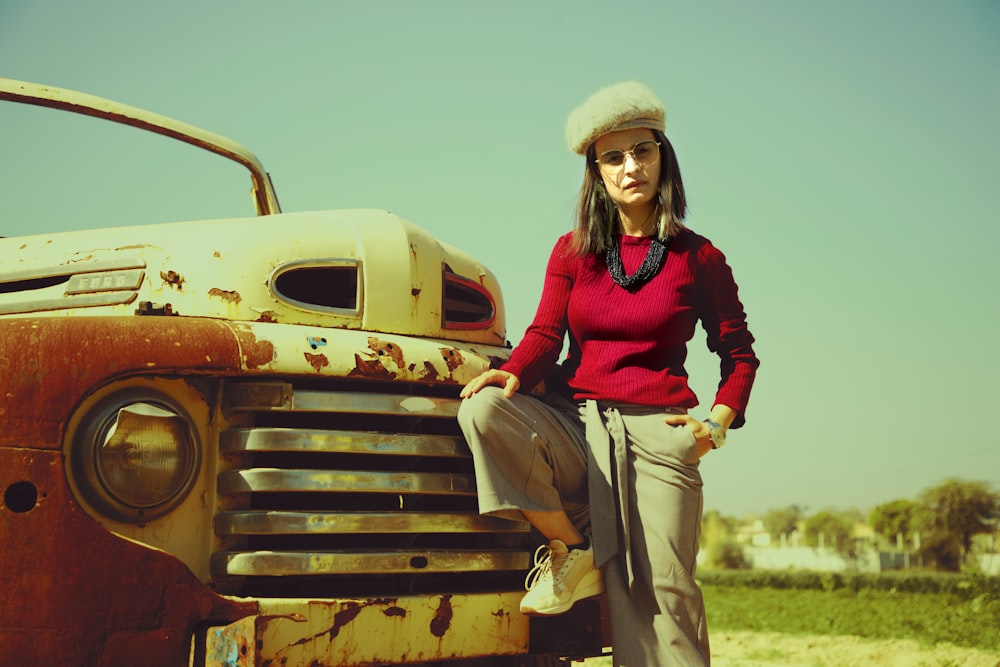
(350, 269)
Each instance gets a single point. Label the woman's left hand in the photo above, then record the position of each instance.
(699, 429)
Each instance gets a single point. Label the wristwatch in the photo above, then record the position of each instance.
(717, 433)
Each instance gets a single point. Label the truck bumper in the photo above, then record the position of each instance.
(371, 631)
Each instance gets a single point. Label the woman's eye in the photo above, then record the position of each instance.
(614, 158)
(643, 152)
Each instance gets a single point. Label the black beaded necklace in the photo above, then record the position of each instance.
(651, 265)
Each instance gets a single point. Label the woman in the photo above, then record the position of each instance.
(604, 464)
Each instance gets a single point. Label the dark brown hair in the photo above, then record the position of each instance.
(597, 215)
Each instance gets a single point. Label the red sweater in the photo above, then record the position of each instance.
(631, 346)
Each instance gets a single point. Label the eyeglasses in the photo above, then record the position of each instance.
(644, 153)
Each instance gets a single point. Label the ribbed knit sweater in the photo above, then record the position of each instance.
(630, 347)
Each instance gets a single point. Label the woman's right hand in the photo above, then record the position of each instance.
(503, 379)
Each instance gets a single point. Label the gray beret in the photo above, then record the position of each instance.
(621, 106)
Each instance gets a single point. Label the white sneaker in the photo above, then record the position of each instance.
(559, 578)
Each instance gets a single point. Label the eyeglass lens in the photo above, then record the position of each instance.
(644, 152)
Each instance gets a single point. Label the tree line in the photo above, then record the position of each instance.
(939, 527)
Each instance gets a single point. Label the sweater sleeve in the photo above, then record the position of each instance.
(728, 336)
(539, 349)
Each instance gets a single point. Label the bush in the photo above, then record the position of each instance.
(727, 555)
(928, 607)
(965, 586)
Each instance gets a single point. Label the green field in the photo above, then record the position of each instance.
(928, 608)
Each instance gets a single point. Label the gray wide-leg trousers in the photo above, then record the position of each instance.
(638, 472)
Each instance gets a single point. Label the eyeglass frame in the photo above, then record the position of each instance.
(625, 153)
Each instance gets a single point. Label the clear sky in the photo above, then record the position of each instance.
(843, 155)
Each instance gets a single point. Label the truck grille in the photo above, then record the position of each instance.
(341, 493)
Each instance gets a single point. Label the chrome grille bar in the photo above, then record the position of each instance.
(282, 396)
(271, 480)
(353, 442)
(264, 522)
(293, 563)
(382, 404)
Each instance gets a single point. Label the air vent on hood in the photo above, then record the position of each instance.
(467, 304)
(331, 285)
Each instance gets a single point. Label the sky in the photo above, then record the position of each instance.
(843, 156)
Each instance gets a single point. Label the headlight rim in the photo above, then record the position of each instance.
(84, 448)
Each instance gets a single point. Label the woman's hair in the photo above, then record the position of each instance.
(597, 215)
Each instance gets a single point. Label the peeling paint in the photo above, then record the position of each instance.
(317, 361)
(452, 357)
(255, 353)
(173, 279)
(429, 372)
(370, 368)
(384, 349)
(268, 316)
(231, 296)
(229, 646)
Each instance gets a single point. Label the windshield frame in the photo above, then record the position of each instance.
(23, 92)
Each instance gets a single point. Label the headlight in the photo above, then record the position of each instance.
(134, 457)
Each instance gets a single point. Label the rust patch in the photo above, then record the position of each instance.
(317, 361)
(255, 353)
(429, 372)
(384, 349)
(63, 359)
(342, 618)
(442, 617)
(173, 279)
(127, 598)
(394, 611)
(452, 357)
(370, 368)
(503, 621)
(226, 295)
(268, 316)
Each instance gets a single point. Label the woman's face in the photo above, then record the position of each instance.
(630, 183)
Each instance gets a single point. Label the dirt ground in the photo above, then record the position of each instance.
(757, 649)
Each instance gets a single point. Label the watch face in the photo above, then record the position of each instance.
(718, 437)
(716, 433)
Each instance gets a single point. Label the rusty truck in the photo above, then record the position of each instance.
(233, 442)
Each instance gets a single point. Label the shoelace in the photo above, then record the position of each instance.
(546, 564)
